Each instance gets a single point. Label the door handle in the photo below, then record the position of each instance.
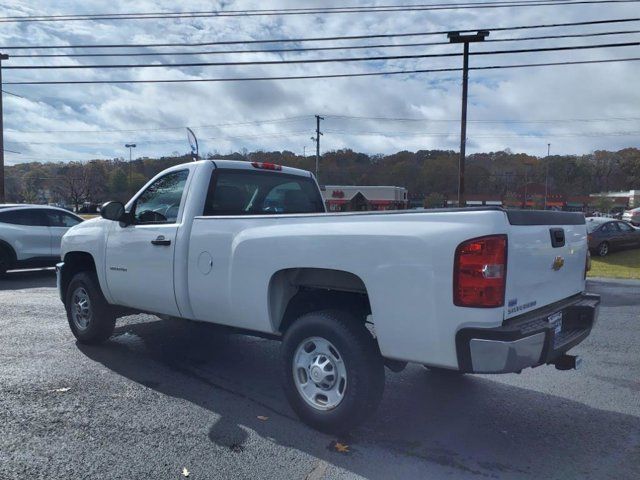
(160, 240)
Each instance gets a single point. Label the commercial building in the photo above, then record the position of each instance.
(349, 198)
(629, 197)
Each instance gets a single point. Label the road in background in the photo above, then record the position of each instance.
(161, 396)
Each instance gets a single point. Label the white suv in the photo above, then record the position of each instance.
(30, 235)
(632, 216)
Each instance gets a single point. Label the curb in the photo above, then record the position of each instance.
(623, 281)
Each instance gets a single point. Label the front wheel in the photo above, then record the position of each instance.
(603, 249)
(90, 317)
(333, 372)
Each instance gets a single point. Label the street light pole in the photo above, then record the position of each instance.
(546, 176)
(465, 39)
(130, 146)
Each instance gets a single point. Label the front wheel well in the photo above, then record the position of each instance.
(75, 262)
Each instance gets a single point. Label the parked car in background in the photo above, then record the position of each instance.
(632, 216)
(606, 235)
(30, 235)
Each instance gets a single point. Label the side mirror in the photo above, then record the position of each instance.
(113, 211)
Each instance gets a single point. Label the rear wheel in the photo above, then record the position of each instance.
(90, 317)
(603, 249)
(333, 372)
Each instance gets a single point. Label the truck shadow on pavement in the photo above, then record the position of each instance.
(426, 423)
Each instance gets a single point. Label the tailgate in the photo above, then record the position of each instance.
(546, 259)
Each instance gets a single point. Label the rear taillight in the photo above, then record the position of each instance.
(266, 166)
(480, 270)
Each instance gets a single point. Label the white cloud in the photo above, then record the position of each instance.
(571, 92)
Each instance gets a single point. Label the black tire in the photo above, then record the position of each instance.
(603, 249)
(361, 360)
(100, 320)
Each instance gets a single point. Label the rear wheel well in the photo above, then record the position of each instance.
(294, 292)
(75, 262)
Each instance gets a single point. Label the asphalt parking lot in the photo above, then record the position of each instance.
(161, 396)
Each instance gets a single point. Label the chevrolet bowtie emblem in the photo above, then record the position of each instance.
(558, 263)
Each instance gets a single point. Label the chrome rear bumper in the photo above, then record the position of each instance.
(528, 340)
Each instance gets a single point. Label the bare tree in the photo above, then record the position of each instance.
(74, 184)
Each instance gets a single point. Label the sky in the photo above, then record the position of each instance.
(577, 108)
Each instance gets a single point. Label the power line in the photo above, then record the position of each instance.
(492, 135)
(320, 60)
(316, 11)
(182, 127)
(172, 141)
(324, 76)
(334, 117)
(428, 120)
(295, 9)
(12, 94)
(313, 49)
(317, 39)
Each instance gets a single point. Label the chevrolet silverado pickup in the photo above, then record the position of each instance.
(249, 245)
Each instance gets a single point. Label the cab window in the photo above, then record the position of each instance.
(160, 202)
(245, 192)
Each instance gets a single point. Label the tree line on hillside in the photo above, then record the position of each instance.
(425, 173)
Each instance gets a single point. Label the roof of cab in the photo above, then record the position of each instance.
(247, 165)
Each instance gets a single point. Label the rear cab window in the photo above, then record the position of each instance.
(247, 192)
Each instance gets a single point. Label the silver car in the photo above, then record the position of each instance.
(30, 235)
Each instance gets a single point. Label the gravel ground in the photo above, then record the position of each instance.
(161, 396)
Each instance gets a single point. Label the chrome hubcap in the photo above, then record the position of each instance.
(604, 249)
(81, 308)
(319, 373)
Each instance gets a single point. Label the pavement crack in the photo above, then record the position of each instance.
(318, 471)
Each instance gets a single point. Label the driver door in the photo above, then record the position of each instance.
(140, 256)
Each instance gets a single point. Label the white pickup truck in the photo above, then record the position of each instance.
(250, 246)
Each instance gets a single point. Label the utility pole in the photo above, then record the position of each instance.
(546, 175)
(465, 39)
(130, 146)
(526, 182)
(3, 56)
(317, 140)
